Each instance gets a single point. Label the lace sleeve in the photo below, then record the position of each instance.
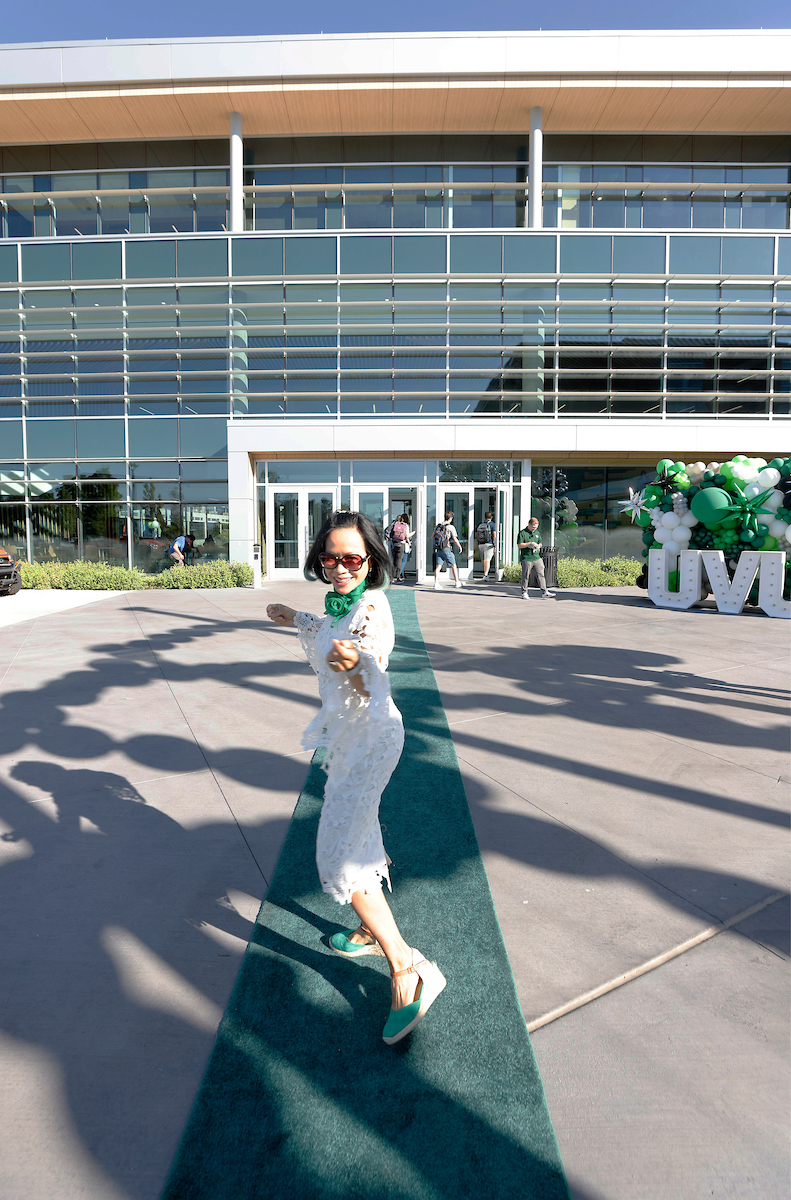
(308, 625)
(372, 632)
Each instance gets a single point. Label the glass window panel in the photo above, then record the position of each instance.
(286, 526)
(154, 470)
(96, 260)
(419, 255)
(207, 520)
(203, 437)
(694, 256)
(194, 492)
(528, 253)
(13, 532)
(150, 491)
(367, 210)
(203, 258)
(388, 471)
(100, 438)
(154, 526)
(747, 256)
(257, 256)
(11, 438)
(46, 262)
(635, 255)
(784, 256)
(366, 256)
(48, 309)
(150, 260)
(104, 534)
(299, 471)
(476, 255)
(8, 264)
(158, 435)
(50, 439)
(310, 256)
(585, 254)
(55, 536)
(371, 504)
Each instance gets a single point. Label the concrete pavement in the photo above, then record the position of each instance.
(627, 773)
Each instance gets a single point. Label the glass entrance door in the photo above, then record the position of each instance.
(404, 500)
(295, 517)
(494, 499)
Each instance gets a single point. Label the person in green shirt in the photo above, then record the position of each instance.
(529, 546)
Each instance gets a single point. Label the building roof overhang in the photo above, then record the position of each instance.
(677, 81)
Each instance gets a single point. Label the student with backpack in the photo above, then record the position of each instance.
(485, 534)
(444, 534)
(400, 535)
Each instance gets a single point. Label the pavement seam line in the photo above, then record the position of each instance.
(652, 964)
(200, 748)
(19, 648)
(601, 845)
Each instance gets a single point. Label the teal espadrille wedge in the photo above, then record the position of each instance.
(340, 943)
(402, 1021)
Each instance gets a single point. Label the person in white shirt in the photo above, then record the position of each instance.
(444, 534)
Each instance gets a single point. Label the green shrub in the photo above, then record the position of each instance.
(580, 572)
(82, 576)
(206, 575)
(85, 576)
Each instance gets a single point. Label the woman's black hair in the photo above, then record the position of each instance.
(379, 560)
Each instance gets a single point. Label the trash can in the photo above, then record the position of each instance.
(550, 561)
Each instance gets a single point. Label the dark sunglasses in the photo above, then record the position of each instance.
(352, 562)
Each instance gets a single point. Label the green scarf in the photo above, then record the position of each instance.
(337, 606)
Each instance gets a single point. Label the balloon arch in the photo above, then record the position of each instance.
(719, 529)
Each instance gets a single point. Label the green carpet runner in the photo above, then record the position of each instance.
(301, 1099)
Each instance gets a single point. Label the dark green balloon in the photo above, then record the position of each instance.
(709, 505)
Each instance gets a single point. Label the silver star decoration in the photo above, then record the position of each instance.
(634, 504)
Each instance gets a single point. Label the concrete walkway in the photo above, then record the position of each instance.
(627, 773)
(31, 603)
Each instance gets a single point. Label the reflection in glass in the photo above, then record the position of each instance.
(286, 530)
(154, 526)
(55, 532)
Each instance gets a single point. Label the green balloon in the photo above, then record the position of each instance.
(664, 464)
(643, 518)
(770, 543)
(679, 468)
(709, 505)
(651, 494)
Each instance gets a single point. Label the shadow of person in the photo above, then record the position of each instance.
(106, 965)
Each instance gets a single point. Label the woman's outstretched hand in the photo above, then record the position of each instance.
(342, 656)
(281, 614)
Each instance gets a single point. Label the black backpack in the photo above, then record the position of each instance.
(483, 533)
(441, 538)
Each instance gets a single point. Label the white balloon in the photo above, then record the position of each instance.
(681, 535)
(774, 501)
(673, 547)
(713, 466)
(778, 529)
(690, 520)
(670, 520)
(758, 462)
(788, 534)
(661, 534)
(752, 490)
(769, 477)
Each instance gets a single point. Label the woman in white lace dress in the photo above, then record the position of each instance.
(362, 734)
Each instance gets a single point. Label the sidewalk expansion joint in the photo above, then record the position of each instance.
(652, 964)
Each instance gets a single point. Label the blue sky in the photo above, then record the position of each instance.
(54, 20)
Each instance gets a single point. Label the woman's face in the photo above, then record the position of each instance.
(340, 542)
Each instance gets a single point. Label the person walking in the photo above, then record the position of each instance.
(529, 546)
(400, 535)
(485, 536)
(362, 734)
(444, 534)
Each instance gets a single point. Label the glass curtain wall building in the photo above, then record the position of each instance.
(230, 339)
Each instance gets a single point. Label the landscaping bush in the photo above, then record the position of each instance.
(206, 575)
(84, 576)
(580, 572)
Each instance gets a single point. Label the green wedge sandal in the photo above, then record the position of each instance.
(340, 943)
(402, 1021)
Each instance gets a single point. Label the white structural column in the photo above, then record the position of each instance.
(237, 174)
(535, 195)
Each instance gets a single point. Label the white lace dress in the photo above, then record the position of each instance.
(363, 739)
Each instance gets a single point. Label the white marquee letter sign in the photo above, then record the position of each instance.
(730, 595)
